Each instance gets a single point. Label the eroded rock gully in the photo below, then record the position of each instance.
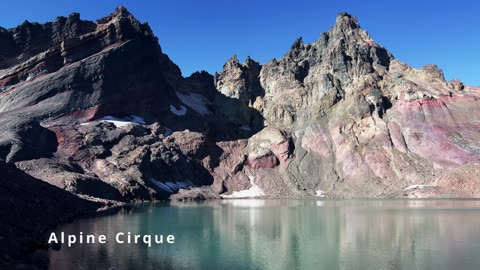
(97, 109)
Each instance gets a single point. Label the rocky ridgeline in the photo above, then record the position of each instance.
(97, 109)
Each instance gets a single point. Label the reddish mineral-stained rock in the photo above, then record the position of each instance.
(340, 115)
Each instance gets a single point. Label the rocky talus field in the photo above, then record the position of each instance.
(98, 110)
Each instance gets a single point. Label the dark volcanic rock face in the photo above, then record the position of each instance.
(97, 109)
(77, 68)
(30, 208)
(58, 75)
(25, 139)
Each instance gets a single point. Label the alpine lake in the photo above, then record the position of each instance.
(280, 234)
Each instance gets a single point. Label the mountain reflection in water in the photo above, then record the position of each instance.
(285, 234)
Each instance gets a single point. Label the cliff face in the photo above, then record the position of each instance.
(96, 108)
(361, 123)
(56, 78)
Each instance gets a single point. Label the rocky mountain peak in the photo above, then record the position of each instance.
(74, 17)
(98, 110)
(73, 68)
(297, 44)
(122, 11)
(237, 78)
(433, 72)
(348, 32)
(119, 13)
(249, 62)
(232, 63)
(102, 101)
(346, 21)
(125, 23)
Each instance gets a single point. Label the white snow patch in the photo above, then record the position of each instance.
(119, 122)
(320, 193)
(252, 192)
(178, 112)
(245, 127)
(196, 102)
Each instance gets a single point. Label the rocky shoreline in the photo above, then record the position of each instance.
(30, 208)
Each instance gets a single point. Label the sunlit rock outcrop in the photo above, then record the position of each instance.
(97, 109)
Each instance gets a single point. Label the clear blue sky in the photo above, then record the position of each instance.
(202, 35)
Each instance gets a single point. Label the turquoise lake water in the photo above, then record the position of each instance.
(284, 234)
